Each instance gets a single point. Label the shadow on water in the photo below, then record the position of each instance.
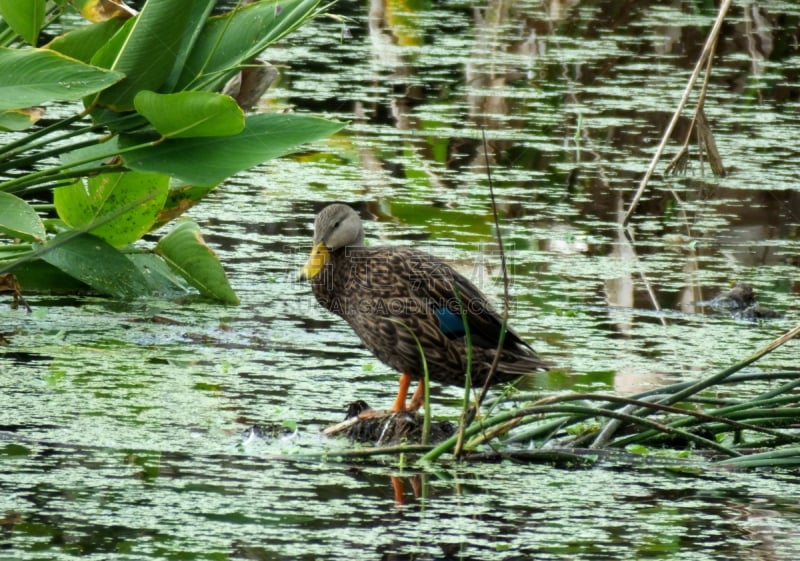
(122, 422)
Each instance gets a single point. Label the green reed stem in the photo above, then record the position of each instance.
(467, 376)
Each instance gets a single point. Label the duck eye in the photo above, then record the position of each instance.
(336, 225)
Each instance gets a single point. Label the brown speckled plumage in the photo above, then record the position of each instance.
(386, 293)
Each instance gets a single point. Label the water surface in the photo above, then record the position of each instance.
(122, 423)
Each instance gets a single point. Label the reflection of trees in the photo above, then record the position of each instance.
(573, 96)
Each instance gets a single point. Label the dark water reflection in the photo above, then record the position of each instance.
(121, 434)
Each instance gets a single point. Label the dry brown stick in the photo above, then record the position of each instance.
(678, 163)
(705, 138)
(707, 49)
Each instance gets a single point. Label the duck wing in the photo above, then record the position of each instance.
(447, 292)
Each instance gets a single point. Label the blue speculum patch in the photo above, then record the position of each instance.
(450, 323)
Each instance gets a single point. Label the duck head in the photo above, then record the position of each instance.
(335, 227)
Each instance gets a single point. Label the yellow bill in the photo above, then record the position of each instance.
(316, 261)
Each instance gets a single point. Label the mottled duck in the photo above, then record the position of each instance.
(401, 299)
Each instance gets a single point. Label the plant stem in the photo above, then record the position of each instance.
(8, 150)
(467, 375)
(708, 382)
(14, 185)
(504, 315)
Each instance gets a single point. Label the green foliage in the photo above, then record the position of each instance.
(264, 136)
(94, 262)
(25, 18)
(161, 136)
(34, 76)
(190, 114)
(19, 220)
(186, 252)
(131, 199)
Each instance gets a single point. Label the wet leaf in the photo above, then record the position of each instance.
(25, 18)
(19, 220)
(131, 200)
(33, 76)
(187, 253)
(190, 114)
(159, 276)
(209, 160)
(93, 261)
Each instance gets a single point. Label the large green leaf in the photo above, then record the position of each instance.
(195, 23)
(148, 53)
(33, 76)
(40, 276)
(25, 17)
(161, 279)
(83, 42)
(190, 114)
(186, 252)
(232, 39)
(96, 263)
(208, 161)
(129, 200)
(19, 220)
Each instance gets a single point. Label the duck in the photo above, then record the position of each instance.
(410, 309)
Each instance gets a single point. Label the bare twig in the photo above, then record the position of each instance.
(707, 50)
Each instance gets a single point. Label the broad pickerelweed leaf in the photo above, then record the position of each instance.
(24, 17)
(19, 220)
(93, 261)
(210, 160)
(148, 53)
(34, 76)
(230, 40)
(20, 119)
(190, 114)
(195, 23)
(187, 253)
(37, 275)
(161, 279)
(83, 42)
(132, 198)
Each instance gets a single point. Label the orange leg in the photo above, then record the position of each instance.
(398, 488)
(418, 399)
(400, 400)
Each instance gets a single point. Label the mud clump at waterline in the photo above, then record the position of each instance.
(363, 424)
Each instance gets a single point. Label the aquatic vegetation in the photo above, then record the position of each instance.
(163, 122)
